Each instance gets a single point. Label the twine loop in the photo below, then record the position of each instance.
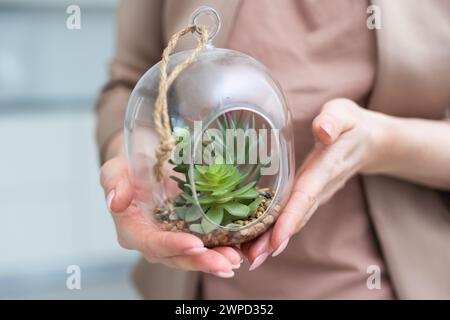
(161, 113)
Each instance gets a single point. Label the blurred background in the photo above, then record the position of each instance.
(52, 209)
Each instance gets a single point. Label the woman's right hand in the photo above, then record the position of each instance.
(136, 231)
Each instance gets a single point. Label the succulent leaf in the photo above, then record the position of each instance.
(181, 212)
(208, 226)
(254, 205)
(237, 209)
(193, 213)
(196, 227)
(216, 214)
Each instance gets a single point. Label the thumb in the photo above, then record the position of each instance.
(116, 184)
(336, 117)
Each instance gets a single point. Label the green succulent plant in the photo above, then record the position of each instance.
(225, 192)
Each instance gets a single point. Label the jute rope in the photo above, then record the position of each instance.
(161, 114)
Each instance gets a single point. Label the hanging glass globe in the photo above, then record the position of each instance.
(232, 163)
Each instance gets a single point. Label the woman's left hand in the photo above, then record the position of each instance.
(349, 140)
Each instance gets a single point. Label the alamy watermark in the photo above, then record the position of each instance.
(374, 280)
(73, 281)
(238, 146)
(374, 20)
(73, 21)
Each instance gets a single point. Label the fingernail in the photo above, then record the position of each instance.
(222, 274)
(195, 251)
(241, 254)
(236, 266)
(281, 248)
(110, 198)
(328, 128)
(258, 261)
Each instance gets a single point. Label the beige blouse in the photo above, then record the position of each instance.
(317, 50)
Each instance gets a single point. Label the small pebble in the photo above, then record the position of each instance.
(268, 220)
(222, 239)
(173, 216)
(243, 232)
(259, 227)
(180, 224)
(268, 195)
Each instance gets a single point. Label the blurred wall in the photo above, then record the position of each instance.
(52, 208)
(41, 61)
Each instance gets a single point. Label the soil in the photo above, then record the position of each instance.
(258, 222)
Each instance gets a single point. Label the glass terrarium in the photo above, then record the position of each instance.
(231, 168)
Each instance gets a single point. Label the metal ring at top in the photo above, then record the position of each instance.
(214, 25)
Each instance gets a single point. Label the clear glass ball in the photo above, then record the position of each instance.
(221, 91)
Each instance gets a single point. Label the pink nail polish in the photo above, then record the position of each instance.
(223, 274)
(281, 248)
(195, 251)
(110, 198)
(258, 261)
(328, 128)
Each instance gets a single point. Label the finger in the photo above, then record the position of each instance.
(336, 117)
(115, 182)
(258, 250)
(302, 203)
(210, 261)
(231, 254)
(143, 235)
(241, 253)
(322, 168)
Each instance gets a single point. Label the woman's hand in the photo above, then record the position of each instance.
(136, 231)
(349, 140)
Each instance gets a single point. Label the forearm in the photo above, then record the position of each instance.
(145, 144)
(416, 150)
(115, 147)
(136, 20)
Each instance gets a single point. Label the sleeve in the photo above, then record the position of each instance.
(138, 46)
